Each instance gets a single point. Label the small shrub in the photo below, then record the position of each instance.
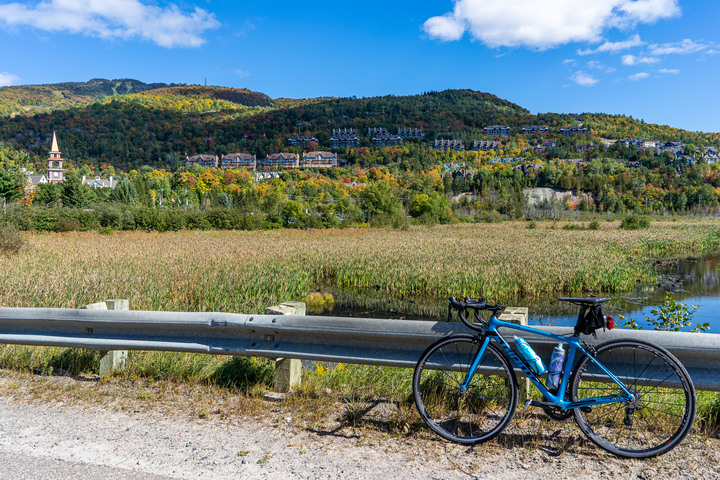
(594, 225)
(10, 240)
(532, 225)
(44, 220)
(492, 216)
(573, 226)
(176, 220)
(67, 225)
(635, 222)
(111, 216)
(128, 220)
(671, 316)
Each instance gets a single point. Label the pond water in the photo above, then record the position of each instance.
(692, 281)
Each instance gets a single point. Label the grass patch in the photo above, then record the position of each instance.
(708, 412)
(10, 240)
(248, 271)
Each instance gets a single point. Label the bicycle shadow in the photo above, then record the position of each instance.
(353, 417)
(554, 443)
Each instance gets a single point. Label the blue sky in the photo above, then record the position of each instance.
(658, 60)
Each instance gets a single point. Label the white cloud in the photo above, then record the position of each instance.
(446, 27)
(598, 65)
(111, 19)
(638, 76)
(630, 60)
(684, 47)
(242, 73)
(543, 24)
(7, 79)
(584, 79)
(670, 71)
(614, 47)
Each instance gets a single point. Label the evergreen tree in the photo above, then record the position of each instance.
(75, 194)
(125, 192)
(10, 188)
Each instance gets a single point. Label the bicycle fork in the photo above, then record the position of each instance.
(473, 368)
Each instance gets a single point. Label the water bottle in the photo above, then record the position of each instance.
(556, 366)
(529, 355)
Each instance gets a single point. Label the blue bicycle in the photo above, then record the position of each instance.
(629, 397)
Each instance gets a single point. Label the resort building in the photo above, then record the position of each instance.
(319, 160)
(238, 160)
(386, 140)
(203, 160)
(282, 160)
(496, 131)
(344, 138)
(410, 132)
(447, 145)
(535, 129)
(567, 131)
(486, 145)
(304, 141)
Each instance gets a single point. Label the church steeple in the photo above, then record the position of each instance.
(55, 168)
(54, 144)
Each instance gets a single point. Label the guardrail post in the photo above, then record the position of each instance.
(519, 315)
(114, 359)
(288, 371)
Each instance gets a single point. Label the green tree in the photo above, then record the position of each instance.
(420, 204)
(49, 194)
(10, 188)
(291, 213)
(75, 194)
(379, 198)
(125, 192)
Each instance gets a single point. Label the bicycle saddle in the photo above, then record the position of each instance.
(584, 301)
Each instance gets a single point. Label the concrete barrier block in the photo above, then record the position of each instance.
(288, 371)
(114, 359)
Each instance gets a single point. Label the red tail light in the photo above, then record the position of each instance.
(610, 321)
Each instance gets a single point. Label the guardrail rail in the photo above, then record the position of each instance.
(397, 343)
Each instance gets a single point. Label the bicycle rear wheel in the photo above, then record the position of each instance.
(484, 409)
(662, 412)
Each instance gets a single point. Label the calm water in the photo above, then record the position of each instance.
(694, 282)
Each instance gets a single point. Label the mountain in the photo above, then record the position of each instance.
(127, 123)
(37, 98)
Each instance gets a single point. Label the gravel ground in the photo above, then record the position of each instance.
(159, 441)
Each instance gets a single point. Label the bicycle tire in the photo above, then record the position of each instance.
(658, 418)
(484, 409)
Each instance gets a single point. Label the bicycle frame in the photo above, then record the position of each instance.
(553, 399)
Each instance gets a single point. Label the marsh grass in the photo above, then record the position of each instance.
(10, 240)
(247, 271)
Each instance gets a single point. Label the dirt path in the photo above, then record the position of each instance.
(274, 445)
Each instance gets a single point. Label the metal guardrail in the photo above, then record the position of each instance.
(396, 343)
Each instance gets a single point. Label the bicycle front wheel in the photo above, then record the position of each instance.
(661, 413)
(479, 413)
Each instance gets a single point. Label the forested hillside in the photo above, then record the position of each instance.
(151, 127)
(622, 126)
(30, 99)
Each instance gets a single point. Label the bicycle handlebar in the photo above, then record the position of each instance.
(476, 304)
